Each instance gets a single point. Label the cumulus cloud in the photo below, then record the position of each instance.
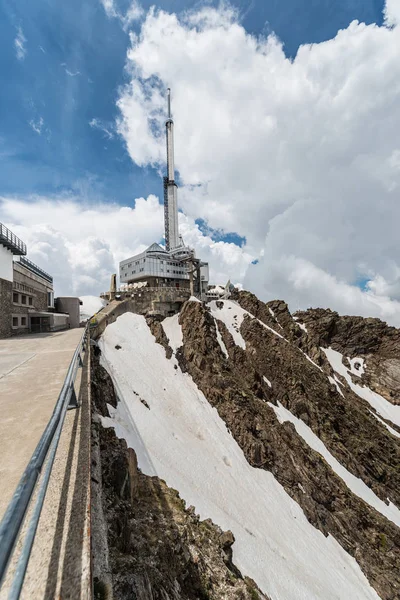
(81, 244)
(19, 44)
(392, 12)
(299, 156)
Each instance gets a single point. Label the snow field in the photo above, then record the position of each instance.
(383, 407)
(173, 331)
(182, 439)
(356, 485)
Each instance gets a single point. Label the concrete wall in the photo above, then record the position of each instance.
(5, 308)
(145, 301)
(71, 306)
(6, 263)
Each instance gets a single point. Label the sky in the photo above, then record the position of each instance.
(286, 136)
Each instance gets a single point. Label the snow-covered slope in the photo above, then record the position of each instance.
(182, 439)
(355, 484)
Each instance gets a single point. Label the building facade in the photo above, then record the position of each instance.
(26, 291)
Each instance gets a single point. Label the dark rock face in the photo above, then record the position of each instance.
(370, 339)
(158, 549)
(344, 424)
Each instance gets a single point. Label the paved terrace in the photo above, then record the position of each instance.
(32, 372)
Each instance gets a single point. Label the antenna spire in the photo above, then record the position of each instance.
(169, 102)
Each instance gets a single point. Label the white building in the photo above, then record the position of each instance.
(176, 265)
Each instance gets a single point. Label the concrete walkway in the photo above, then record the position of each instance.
(32, 372)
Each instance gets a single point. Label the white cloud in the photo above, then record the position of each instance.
(98, 124)
(134, 13)
(81, 244)
(301, 157)
(37, 125)
(392, 12)
(19, 44)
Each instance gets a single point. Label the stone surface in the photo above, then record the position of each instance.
(237, 389)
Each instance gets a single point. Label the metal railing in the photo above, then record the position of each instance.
(11, 241)
(35, 269)
(46, 449)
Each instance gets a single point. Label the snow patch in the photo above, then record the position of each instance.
(392, 431)
(356, 366)
(335, 383)
(271, 312)
(303, 327)
(232, 314)
(183, 440)
(356, 485)
(383, 407)
(173, 331)
(220, 340)
(267, 381)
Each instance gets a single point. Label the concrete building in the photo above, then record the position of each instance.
(175, 266)
(71, 306)
(26, 292)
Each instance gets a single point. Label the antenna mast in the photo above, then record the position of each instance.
(170, 188)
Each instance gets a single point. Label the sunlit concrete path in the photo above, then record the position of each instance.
(32, 372)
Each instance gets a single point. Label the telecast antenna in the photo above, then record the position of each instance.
(169, 103)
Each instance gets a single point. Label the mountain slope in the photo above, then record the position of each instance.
(238, 408)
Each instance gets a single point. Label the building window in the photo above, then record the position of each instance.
(23, 321)
(15, 298)
(30, 300)
(23, 299)
(15, 321)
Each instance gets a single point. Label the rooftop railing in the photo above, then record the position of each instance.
(35, 269)
(11, 241)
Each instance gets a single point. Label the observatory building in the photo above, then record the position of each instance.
(176, 265)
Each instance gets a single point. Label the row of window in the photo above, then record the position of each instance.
(19, 321)
(143, 260)
(162, 269)
(22, 299)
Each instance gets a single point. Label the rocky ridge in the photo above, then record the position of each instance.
(236, 387)
(154, 541)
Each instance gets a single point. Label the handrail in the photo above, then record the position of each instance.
(35, 269)
(9, 238)
(13, 519)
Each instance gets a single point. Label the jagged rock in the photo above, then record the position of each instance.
(344, 424)
(370, 339)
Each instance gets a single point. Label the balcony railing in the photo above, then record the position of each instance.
(11, 241)
(35, 269)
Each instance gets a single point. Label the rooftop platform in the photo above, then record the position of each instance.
(28, 264)
(11, 241)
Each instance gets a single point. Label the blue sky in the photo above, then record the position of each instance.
(70, 74)
(287, 146)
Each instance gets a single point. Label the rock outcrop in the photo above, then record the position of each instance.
(236, 387)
